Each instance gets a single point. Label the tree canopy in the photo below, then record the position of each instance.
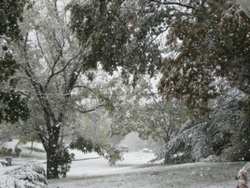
(119, 34)
(13, 104)
(211, 43)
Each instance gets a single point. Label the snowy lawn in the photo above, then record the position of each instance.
(92, 171)
(135, 172)
(199, 175)
(89, 165)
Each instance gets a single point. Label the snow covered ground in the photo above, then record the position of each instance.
(199, 175)
(136, 172)
(89, 165)
(92, 171)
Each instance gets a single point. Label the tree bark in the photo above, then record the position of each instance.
(52, 164)
(53, 158)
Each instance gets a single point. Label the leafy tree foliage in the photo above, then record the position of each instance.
(211, 40)
(12, 104)
(139, 109)
(84, 145)
(207, 42)
(240, 140)
(10, 13)
(119, 34)
(112, 154)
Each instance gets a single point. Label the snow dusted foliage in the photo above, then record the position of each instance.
(214, 41)
(28, 176)
(221, 137)
(13, 105)
(140, 109)
(131, 46)
(188, 146)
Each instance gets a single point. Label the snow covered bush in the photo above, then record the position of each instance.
(28, 176)
(64, 162)
(113, 155)
(110, 153)
(5, 151)
(17, 151)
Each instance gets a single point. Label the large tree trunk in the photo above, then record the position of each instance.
(53, 153)
(52, 164)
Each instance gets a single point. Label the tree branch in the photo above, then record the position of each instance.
(53, 73)
(42, 50)
(88, 88)
(173, 3)
(84, 111)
